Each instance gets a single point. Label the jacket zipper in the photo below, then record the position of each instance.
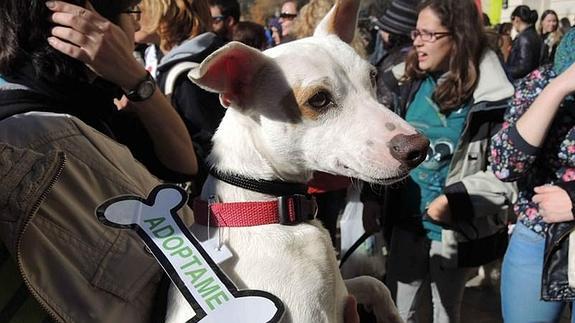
(555, 245)
(34, 209)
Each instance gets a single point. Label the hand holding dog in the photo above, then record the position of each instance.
(554, 203)
(350, 314)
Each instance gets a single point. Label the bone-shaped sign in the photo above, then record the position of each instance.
(209, 291)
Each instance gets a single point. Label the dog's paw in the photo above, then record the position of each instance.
(375, 297)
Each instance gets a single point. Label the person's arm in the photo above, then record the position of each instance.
(511, 154)
(476, 195)
(107, 50)
(535, 122)
(513, 149)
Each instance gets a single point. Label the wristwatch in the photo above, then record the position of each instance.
(143, 90)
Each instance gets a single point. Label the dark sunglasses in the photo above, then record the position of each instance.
(135, 11)
(287, 15)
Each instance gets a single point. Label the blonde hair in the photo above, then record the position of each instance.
(309, 17)
(176, 20)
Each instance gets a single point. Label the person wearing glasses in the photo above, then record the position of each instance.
(453, 90)
(61, 152)
(525, 52)
(225, 17)
(288, 13)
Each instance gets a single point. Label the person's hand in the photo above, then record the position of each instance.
(350, 314)
(371, 213)
(103, 46)
(554, 203)
(439, 211)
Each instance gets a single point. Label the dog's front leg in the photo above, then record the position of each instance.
(373, 294)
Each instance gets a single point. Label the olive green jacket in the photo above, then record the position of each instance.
(55, 170)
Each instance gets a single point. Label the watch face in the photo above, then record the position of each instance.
(146, 89)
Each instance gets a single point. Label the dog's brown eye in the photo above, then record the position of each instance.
(373, 77)
(320, 100)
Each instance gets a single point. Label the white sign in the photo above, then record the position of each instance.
(205, 286)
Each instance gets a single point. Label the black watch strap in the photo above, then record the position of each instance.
(143, 90)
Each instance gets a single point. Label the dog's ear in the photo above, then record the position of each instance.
(230, 71)
(341, 20)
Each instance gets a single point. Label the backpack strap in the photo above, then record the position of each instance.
(174, 73)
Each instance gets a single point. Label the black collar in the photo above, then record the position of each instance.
(275, 188)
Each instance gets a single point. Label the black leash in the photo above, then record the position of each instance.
(276, 188)
(353, 247)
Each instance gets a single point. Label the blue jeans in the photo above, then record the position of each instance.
(521, 280)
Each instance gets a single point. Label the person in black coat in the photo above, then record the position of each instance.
(526, 49)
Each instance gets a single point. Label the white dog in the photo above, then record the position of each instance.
(296, 108)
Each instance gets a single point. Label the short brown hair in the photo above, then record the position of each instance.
(251, 34)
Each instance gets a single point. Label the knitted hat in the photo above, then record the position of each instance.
(400, 17)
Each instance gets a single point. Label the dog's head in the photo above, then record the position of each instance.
(313, 103)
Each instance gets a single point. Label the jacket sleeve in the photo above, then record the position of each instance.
(523, 58)
(569, 187)
(129, 130)
(511, 156)
(479, 195)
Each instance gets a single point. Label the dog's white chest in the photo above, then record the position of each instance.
(295, 263)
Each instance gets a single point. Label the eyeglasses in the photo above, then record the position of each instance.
(428, 36)
(218, 18)
(135, 11)
(287, 15)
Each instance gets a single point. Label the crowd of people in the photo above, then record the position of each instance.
(105, 82)
(484, 171)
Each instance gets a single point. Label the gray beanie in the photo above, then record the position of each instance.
(400, 17)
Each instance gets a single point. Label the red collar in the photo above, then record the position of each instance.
(286, 210)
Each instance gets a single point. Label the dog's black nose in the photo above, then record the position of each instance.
(410, 150)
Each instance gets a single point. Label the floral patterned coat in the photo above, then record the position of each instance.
(512, 158)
